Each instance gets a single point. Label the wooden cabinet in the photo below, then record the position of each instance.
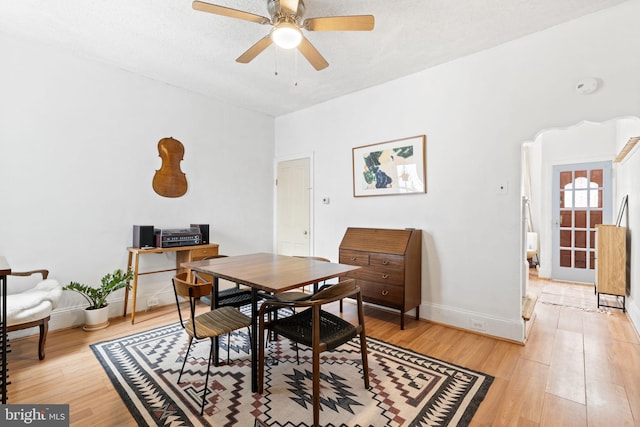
(611, 261)
(391, 261)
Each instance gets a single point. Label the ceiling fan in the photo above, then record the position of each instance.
(287, 20)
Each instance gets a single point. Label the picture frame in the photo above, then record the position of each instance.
(390, 168)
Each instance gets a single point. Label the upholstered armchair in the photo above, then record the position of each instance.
(33, 306)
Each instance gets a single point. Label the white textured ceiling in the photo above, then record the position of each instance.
(169, 41)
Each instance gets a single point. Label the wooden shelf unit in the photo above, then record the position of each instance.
(611, 262)
(391, 261)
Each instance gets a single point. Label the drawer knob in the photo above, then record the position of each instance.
(385, 276)
(354, 258)
(385, 293)
(385, 262)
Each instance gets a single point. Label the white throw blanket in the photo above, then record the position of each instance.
(33, 304)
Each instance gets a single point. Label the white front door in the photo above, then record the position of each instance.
(293, 233)
(581, 200)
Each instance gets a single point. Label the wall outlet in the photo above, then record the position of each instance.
(478, 325)
(152, 301)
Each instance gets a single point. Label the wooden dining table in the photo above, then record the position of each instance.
(270, 273)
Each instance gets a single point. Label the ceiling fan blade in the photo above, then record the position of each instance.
(340, 23)
(289, 6)
(255, 50)
(313, 56)
(232, 13)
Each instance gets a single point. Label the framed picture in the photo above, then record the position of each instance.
(392, 167)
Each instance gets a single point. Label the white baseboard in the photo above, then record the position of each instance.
(473, 321)
(73, 316)
(633, 311)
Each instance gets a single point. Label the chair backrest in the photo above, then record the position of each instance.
(345, 289)
(191, 292)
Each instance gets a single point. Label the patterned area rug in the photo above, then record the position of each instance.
(407, 388)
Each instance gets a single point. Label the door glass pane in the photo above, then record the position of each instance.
(565, 178)
(580, 174)
(595, 218)
(592, 260)
(598, 195)
(581, 198)
(581, 219)
(581, 259)
(565, 238)
(565, 219)
(565, 258)
(580, 239)
(596, 177)
(592, 239)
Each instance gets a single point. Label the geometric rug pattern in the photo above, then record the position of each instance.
(406, 388)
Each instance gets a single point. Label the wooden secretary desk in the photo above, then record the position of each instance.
(391, 261)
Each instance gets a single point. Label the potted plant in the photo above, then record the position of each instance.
(97, 314)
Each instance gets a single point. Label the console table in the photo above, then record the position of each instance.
(183, 254)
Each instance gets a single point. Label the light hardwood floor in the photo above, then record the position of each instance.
(579, 367)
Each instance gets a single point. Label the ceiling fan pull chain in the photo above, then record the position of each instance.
(295, 68)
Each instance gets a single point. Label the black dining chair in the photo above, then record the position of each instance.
(315, 328)
(235, 296)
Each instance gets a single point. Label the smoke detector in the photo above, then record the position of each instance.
(587, 86)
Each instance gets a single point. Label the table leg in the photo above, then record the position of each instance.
(213, 305)
(254, 340)
(134, 287)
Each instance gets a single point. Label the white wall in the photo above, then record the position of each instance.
(78, 144)
(476, 112)
(628, 184)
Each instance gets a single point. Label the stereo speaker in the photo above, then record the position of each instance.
(143, 236)
(204, 230)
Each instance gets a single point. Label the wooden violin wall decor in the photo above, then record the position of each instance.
(169, 180)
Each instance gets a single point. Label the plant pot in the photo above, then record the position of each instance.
(96, 319)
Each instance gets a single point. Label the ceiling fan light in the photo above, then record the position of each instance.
(286, 35)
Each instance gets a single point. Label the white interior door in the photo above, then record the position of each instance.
(293, 195)
(581, 200)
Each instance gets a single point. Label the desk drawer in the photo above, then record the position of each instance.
(354, 257)
(384, 276)
(383, 294)
(198, 254)
(388, 262)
